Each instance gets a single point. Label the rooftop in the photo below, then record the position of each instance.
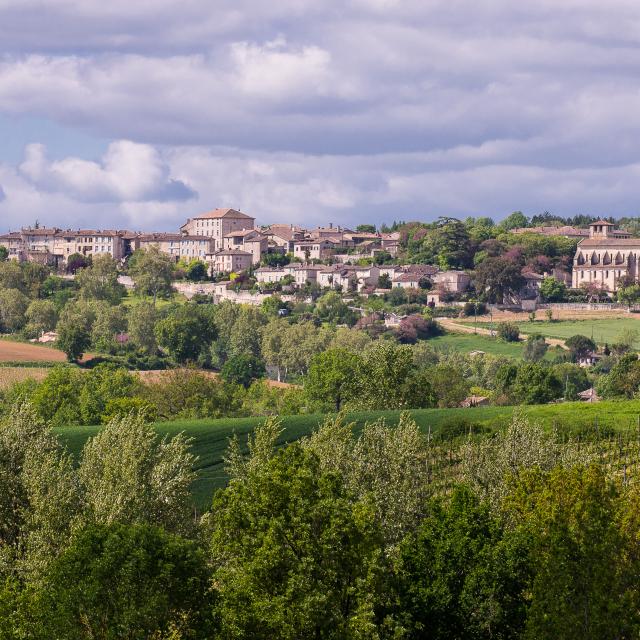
(222, 213)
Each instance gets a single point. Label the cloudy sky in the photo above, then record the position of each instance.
(140, 113)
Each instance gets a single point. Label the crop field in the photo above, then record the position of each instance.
(11, 375)
(12, 351)
(211, 437)
(603, 330)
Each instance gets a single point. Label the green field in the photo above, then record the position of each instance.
(604, 330)
(210, 437)
(467, 342)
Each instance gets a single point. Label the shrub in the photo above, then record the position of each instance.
(508, 331)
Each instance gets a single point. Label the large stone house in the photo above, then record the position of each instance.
(249, 240)
(605, 257)
(217, 224)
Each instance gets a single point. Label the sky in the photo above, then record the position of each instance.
(139, 114)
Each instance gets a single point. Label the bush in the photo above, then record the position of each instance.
(121, 407)
(474, 308)
(508, 331)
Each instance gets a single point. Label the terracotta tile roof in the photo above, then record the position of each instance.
(609, 242)
(232, 252)
(222, 213)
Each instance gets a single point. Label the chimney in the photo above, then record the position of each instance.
(331, 225)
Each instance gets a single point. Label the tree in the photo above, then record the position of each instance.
(242, 369)
(141, 321)
(294, 555)
(366, 228)
(186, 333)
(13, 307)
(99, 281)
(461, 575)
(536, 384)
(515, 220)
(4, 254)
(580, 346)
(384, 281)
(331, 308)
(569, 515)
(11, 276)
(77, 261)
(110, 322)
(41, 316)
(498, 279)
(196, 271)
(508, 331)
(552, 290)
(416, 327)
(534, 348)
(448, 385)
(129, 476)
(74, 335)
(333, 378)
(389, 379)
(127, 581)
(623, 380)
(152, 273)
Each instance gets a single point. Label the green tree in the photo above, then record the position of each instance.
(498, 279)
(11, 276)
(461, 576)
(197, 271)
(141, 321)
(331, 308)
(389, 379)
(186, 333)
(41, 316)
(535, 348)
(552, 290)
(127, 581)
(580, 346)
(4, 254)
(128, 475)
(100, 280)
(242, 369)
(366, 228)
(109, 323)
(514, 221)
(13, 307)
(333, 378)
(448, 384)
(152, 273)
(294, 556)
(570, 517)
(536, 384)
(623, 381)
(384, 281)
(74, 334)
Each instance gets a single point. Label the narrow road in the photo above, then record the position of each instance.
(455, 327)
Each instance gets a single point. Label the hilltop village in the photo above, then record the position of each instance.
(595, 259)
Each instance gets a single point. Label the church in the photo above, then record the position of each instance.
(605, 257)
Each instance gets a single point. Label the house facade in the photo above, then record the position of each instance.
(217, 224)
(606, 257)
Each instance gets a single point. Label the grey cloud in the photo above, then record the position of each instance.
(352, 106)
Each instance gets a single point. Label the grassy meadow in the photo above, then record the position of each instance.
(602, 330)
(211, 437)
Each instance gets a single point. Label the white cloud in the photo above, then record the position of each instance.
(128, 172)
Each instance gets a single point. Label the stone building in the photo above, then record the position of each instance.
(605, 257)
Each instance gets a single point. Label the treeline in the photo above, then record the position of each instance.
(337, 369)
(336, 536)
